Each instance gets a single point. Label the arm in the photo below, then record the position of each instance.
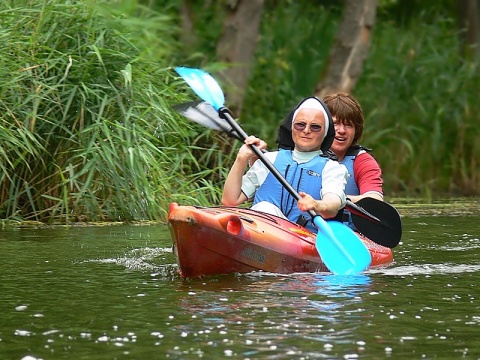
(326, 208)
(334, 179)
(368, 177)
(232, 189)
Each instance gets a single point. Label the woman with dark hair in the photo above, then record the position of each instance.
(319, 181)
(365, 175)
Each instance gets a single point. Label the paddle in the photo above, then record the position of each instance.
(347, 257)
(381, 223)
(204, 114)
(388, 227)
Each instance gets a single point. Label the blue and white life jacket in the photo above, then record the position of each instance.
(305, 177)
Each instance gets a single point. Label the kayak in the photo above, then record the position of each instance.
(225, 240)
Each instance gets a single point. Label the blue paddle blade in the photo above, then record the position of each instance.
(333, 240)
(204, 85)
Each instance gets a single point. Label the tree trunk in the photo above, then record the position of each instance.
(237, 47)
(469, 24)
(350, 48)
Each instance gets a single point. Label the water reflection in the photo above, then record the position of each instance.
(322, 309)
(347, 286)
(303, 294)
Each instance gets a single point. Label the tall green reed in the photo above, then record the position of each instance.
(85, 113)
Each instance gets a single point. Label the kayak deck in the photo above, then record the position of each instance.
(223, 240)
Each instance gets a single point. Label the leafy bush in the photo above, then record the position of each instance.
(86, 124)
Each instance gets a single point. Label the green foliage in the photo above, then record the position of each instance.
(294, 45)
(420, 102)
(418, 94)
(86, 124)
(405, 13)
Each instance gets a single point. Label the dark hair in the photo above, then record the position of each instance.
(284, 137)
(346, 109)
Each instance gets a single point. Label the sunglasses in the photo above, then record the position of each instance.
(300, 126)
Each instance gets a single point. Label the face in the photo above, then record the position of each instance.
(308, 130)
(344, 135)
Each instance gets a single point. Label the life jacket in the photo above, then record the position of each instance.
(351, 188)
(305, 177)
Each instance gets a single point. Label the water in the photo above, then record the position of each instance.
(113, 293)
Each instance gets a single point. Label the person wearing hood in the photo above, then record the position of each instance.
(319, 181)
(365, 175)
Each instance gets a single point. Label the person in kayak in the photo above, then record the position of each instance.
(319, 180)
(365, 175)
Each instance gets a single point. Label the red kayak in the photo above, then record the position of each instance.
(224, 240)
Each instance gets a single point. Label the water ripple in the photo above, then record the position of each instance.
(142, 259)
(439, 269)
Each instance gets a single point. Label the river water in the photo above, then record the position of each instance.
(112, 292)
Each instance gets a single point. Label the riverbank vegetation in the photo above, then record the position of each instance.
(417, 92)
(86, 126)
(88, 132)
